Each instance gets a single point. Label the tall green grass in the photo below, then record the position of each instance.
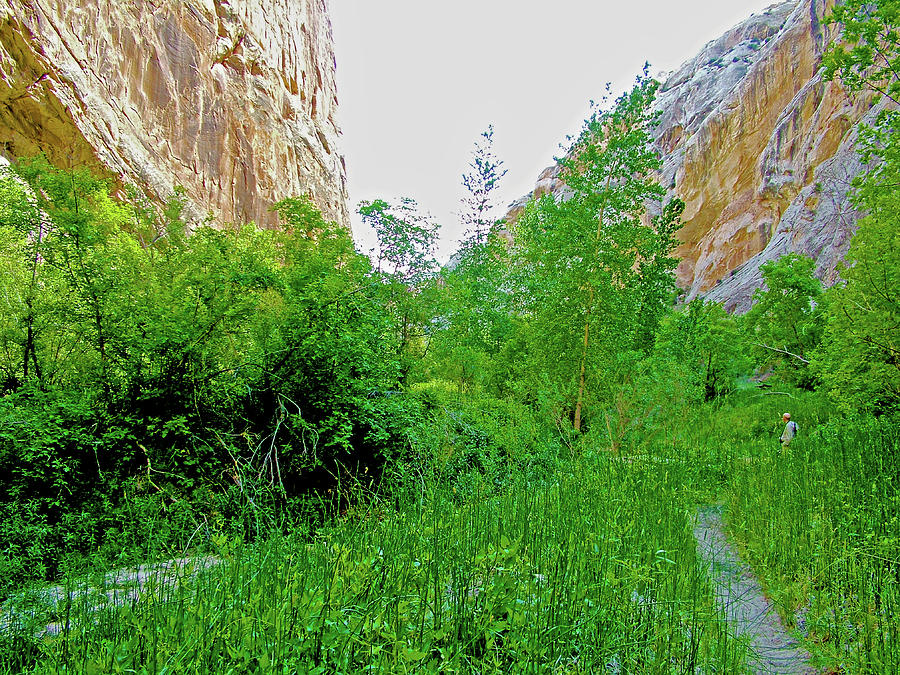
(592, 571)
(486, 558)
(821, 524)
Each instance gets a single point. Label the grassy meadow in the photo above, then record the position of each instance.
(591, 570)
(587, 565)
(821, 524)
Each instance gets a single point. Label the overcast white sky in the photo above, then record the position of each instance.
(419, 80)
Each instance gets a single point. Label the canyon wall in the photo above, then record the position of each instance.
(234, 100)
(760, 149)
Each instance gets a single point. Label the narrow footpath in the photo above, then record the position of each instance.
(741, 599)
(35, 609)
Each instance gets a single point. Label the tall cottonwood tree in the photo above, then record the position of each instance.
(481, 182)
(475, 316)
(595, 264)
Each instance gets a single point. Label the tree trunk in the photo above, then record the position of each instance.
(584, 351)
(30, 351)
(579, 402)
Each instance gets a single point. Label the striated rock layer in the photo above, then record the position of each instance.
(234, 100)
(760, 149)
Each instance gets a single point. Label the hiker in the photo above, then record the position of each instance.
(790, 430)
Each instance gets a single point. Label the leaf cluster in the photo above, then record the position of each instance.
(867, 58)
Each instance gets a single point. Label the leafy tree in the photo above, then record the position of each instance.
(595, 268)
(405, 262)
(859, 359)
(859, 362)
(69, 222)
(867, 57)
(187, 365)
(705, 345)
(784, 325)
(21, 233)
(138, 314)
(332, 351)
(475, 314)
(481, 182)
(406, 239)
(655, 266)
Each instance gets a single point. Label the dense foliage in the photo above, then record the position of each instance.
(785, 324)
(490, 467)
(142, 364)
(595, 572)
(860, 358)
(595, 276)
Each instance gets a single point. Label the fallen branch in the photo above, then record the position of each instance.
(781, 351)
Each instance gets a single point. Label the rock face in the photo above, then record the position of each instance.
(234, 100)
(760, 149)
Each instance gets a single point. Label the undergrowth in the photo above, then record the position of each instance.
(501, 546)
(593, 570)
(820, 522)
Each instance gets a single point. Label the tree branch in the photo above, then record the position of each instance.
(781, 351)
(775, 393)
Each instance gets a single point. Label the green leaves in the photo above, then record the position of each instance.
(868, 56)
(704, 341)
(596, 272)
(859, 361)
(860, 358)
(406, 239)
(405, 265)
(476, 310)
(481, 182)
(227, 363)
(785, 324)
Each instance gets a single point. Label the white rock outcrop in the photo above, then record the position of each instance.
(234, 100)
(760, 149)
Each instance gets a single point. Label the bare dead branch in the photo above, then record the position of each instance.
(782, 351)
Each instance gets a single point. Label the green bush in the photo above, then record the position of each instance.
(151, 376)
(475, 443)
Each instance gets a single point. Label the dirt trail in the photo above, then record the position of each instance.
(741, 598)
(37, 608)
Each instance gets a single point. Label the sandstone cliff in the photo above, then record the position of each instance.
(234, 100)
(760, 148)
